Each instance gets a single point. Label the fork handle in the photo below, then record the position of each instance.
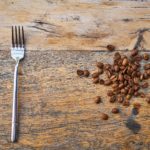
(15, 106)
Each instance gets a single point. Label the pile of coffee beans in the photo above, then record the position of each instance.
(126, 76)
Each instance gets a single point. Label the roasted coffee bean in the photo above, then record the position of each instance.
(145, 56)
(141, 77)
(131, 91)
(145, 85)
(86, 73)
(126, 103)
(112, 99)
(137, 105)
(80, 72)
(95, 80)
(147, 72)
(100, 65)
(101, 81)
(107, 66)
(120, 99)
(98, 99)
(148, 100)
(117, 56)
(128, 97)
(115, 110)
(134, 52)
(136, 94)
(111, 47)
(116, 68)
(147, 66)
(95, 75)
(107, 82)
(124, 91)
(136, 87)
(104, 116)
(125, 62)
(145, 75)
(110, 93)
(121, 85)
(114, 85)
(120, 77)
(138, 58)
(100, 71)
(142, 95)
(135, 80)
(108, 73)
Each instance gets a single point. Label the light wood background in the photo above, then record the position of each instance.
(56, 108)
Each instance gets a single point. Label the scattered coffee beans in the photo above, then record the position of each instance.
(125, 77)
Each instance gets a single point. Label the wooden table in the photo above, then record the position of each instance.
(56, 108)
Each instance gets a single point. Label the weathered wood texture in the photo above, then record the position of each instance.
(77, 24)
(57, 110)
(56, 107)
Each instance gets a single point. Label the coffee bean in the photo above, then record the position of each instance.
(121, 77)
(128, 97)
(95, 80)
(117, 56)
(145, 85)
(86, 73)
(134, 52)
(142, 95)
(107, 82)
(100, 71)
(111, 47)
(110, 93)
(148, 100)
(95, 75)
(116, 68)
(125, 62)
(120, 99)
(80, 72)
(147, 66)
(135, 80)
(126, 103)
(137, 105)
(100, 65)
(112, 99)
(101, 81)
(98, 99)
(145, 56)
(115, 110)
(104, 116)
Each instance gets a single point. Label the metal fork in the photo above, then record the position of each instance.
(17, 53)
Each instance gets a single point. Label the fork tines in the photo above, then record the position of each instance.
(18, 36)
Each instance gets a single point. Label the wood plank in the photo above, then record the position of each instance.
(77, 24)
(57, 109)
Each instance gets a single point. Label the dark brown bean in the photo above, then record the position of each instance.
(134, 52)
(137, 105)
(147, 66)
(107, 82)
(110, 93)
(125, 62)
(115, 110)
(111, 47)
(100, 65)
(101, 81)
(148, 100)
(120, 99)
(126, 103)
(98, 99)
(145, 56)
(95, 75)
(86, 73)
(104, 116)
(145, 85)
(80, 72)
(95, 80)
(112, 99)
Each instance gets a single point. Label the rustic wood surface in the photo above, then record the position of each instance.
(56, 107)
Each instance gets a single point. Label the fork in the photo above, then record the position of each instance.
(17, 53)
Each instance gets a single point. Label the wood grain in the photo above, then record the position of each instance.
(56, 106)
(77, 24)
